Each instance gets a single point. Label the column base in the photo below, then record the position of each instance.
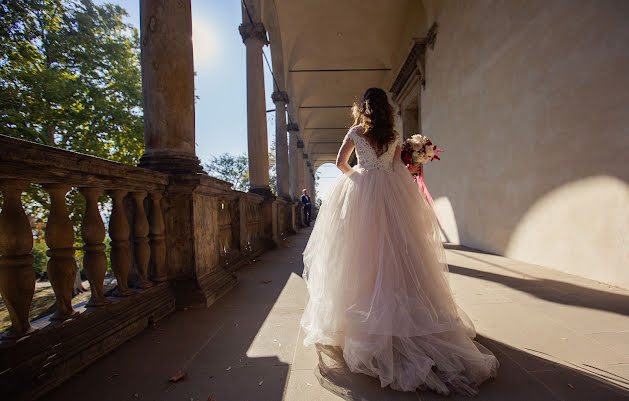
(264, 191)
(171, 162)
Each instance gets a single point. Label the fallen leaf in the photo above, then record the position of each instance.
(261, 381)
(211, 399)
(178, 376)
(229, 368)
(266, 281)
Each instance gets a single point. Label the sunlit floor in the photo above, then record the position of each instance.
(558, 337)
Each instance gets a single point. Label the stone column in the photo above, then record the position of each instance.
(281, 145)
(312, 190)
(254, 37)
(304, 172)
(295, 191)
(168, 86)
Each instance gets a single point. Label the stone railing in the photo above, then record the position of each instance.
(175, 241)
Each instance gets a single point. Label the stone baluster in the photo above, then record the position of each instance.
(141, 246)
(93, 234)
(17, 276)
(119, 234)
(158, 243)
(59, 235)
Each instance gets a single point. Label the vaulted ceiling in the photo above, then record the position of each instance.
(327, 52)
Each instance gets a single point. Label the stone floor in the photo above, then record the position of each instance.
(558, 337)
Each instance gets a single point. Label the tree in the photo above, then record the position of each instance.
(230, 168)
(70, 77)
(272, 169)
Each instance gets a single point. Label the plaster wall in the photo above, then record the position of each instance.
(530, 100)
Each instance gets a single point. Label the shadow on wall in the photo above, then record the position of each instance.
(450, 231)
(580, 227)
(584, 225)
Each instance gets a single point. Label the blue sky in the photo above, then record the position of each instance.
(220, 82)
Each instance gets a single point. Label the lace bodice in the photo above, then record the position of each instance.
(367, 157)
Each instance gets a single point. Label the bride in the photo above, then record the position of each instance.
(376, 272)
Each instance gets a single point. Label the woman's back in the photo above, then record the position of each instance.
(366, 153)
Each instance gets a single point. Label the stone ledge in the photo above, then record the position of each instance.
(41, 164)
(38, 363)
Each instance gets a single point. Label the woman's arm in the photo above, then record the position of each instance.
(343, 156)
(398, 156)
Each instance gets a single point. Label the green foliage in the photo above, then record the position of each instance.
(69, 77)
(40, 260)
(272, 169)
(230, 168)
(235, 169)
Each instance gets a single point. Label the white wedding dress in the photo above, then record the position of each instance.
(377, 277)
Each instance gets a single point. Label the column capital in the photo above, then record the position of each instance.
(279, 96)
(305, 155)
(300, 143)
(292, 127)
(255, 31)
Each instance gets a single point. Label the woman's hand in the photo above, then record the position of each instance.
(413, 169)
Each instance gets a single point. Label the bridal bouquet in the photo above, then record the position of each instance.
(419, 150)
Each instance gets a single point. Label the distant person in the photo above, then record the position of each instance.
(376, 273)
(307, 206)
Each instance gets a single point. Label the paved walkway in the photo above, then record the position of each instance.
(558, 337)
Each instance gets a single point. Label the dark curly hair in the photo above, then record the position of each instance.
(375, 115)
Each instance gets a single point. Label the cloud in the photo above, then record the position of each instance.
(204, 42)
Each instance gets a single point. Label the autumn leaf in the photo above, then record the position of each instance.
(178, 376)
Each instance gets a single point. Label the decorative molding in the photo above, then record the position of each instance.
(255, 31)
(415, 62)
(279, 96)
(300, 143)
(292, 127)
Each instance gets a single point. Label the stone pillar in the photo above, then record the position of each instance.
(281, 145)
(254, 37)
(168, 86)
(293, 140)
(304, 171)
(310, 181)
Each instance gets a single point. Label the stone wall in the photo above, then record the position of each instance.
(530, 100)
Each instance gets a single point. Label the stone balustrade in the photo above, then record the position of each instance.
(151, 255)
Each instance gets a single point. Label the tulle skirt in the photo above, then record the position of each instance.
(376, 274)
